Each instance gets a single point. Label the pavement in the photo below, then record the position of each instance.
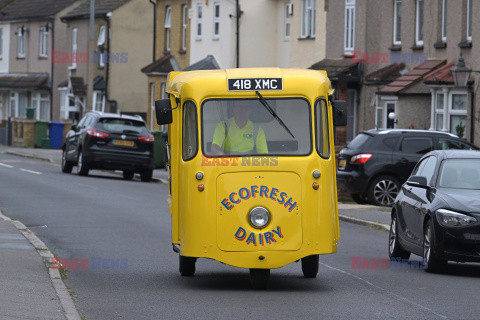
(30, 289)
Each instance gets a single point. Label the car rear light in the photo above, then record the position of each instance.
(361, 158)
(146, 139)
(96, 134)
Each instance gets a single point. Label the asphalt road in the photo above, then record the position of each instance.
(123, 228)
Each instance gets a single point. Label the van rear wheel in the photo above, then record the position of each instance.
(259, 278)
(187, 266)
(310, 266)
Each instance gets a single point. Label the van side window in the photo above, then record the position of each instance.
(189, 131)
(321, 128)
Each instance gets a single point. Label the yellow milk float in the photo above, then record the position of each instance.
(252, 167)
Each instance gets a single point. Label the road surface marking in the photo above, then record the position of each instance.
(5, 165)
(385, 290)
(25, 170)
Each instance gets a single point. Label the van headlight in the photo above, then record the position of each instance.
(450, 218)
(259, 217)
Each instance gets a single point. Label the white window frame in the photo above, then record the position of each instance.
(37, 100)
(469, 23)
(288, 22)
(100, 43)
(184, 26)
(13, 97)
(418, 34)
(1, 43)
(443, 110)
(152, 105)
(452, 112)
(349, 33)
(74, 48)
(216, 21)
(396, 16)
(444, 20)
(382, 105)
(168, 26)
(309, 11)
(94, 101)
(43, 37)
(198, 35)
(21, 43)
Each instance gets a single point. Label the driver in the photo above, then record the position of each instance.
(239, 135)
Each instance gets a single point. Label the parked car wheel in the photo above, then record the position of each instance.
(128, 174)
(187, 266)
(146, 175)
(82, 167)
(383, 191)
(432, 263)
(67, 166)
(359, 199)
(310, 266)
(395, 250)
(259, 278)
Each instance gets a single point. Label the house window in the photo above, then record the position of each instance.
(382, 121)
(419, 23)
(101, 44)
(450, 111)
(216, 21)
(21, 42)
(1, 43)
(152, 104)
(184, 27)
(288, 20)
(74, 48)
(43, 41)
(18, 104)
(199, 22)
(444, 20)
(349, 25)
(469, 20)
(440, 111)
(308, 18)
(99, 101)
(457, 113)
(397, 22)
(41, 103)
(168, 21)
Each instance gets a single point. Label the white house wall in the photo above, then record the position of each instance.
(222, 49)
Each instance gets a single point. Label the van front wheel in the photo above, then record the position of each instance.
(310, 266)
(187, 266)
(259, 278)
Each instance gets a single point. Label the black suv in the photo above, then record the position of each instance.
(376, 163)
(109, 141)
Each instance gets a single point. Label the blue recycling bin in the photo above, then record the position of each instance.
(56, 134)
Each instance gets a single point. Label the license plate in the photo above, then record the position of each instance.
(342, 163)
(123, 143)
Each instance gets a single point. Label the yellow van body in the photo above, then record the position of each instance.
(207, 224)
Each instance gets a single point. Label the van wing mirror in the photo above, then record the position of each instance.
(339, 113)
(163, 111)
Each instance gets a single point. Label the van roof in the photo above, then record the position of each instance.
(206, 83)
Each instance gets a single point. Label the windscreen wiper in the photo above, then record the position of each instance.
(272, 112)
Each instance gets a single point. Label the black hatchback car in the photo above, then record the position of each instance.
(376, 163)
(109, 141)
(436, 215)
